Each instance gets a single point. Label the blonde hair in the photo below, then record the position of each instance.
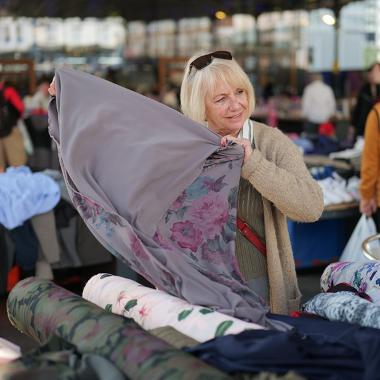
(197, 84)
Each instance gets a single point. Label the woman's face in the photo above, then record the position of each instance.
(226, 109)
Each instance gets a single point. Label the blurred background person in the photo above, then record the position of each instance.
(36, 122)
(370, 167)
(367, 97)
(170, 96)
(318, 105)
(12, 151)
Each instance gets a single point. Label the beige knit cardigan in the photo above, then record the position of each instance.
(277, 171)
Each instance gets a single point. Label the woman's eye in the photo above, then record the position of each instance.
(220, 100)
(239, 92)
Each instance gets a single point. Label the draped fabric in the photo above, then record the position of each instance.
(364, 277)
(156, 189)
(42, 310)
(151, 308)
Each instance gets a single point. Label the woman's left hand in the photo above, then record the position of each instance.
(245, 143)
(52, 91)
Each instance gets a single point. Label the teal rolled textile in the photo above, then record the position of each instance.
(41, 309)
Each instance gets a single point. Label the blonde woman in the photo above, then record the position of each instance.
(275, 183)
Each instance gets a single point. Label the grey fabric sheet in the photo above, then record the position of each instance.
(127, 160)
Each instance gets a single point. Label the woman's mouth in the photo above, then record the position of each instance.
(236, 116)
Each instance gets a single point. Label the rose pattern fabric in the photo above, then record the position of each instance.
(364, 277)
(169, 210)
(345, 307)
(205, 224)
(151, 309)
(41, 309)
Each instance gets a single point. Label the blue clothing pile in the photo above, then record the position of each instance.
(316, 349)
(24, 194)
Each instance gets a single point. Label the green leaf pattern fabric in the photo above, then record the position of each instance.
(151, 309)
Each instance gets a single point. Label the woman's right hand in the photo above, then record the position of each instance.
(52, 90)
(245, 143)
(368, 206)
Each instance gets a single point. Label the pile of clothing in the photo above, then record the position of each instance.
(78, 338)
(335, 188)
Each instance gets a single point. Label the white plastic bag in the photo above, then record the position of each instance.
(353, 250)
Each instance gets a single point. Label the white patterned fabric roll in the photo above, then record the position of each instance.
(8, 351)
(151, 308)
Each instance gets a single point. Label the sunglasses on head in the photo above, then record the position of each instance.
(204, 60)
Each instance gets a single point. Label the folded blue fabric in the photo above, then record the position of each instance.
(352, 354)
(24, 194)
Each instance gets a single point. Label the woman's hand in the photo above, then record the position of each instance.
(368, 207)
(51, 89)
(245, 143)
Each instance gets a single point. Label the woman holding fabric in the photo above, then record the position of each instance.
(174, 219)
(275, 183)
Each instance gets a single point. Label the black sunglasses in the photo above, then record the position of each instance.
(204, 60)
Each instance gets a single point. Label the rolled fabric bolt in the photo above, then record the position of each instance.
(41, 309)
(152, 308)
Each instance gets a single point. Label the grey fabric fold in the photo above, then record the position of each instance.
(156, 189)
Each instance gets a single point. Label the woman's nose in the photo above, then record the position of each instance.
(234, 102)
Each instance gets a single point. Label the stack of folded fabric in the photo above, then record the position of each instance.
(352, 294)
(337, 190)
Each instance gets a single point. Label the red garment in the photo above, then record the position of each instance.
(14, 276)
(11, 95)
(326, 129)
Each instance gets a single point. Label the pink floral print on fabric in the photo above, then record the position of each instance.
(209, 213)
(186, 235)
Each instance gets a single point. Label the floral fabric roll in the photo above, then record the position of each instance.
(42, 309)
(364, 277)
(151, 308)
(344, 307)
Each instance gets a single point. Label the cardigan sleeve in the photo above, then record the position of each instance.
(369, 171)
(284, 179)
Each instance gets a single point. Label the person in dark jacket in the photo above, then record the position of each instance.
(367, 97)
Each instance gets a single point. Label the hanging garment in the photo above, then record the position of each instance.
(25, 247)
(5, 261)
(45, 229)
(346, 307)
(364, 277)
(151, 308)
(156, 189)
(24, 194)
(41, 309)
